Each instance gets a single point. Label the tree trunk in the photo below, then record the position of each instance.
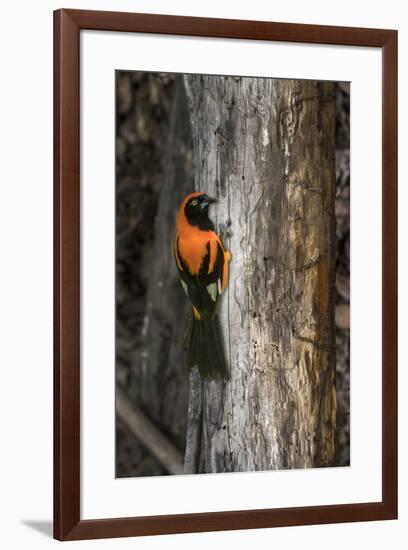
(265, 148)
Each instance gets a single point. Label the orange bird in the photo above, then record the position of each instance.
(202, 262)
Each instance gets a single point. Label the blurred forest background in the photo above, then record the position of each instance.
(154, 169)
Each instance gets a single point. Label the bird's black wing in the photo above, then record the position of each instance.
(210, 282)
(203, 289)
(188, 281)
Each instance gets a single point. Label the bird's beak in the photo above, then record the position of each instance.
(207, 201)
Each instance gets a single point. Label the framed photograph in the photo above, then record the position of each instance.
(225, 247)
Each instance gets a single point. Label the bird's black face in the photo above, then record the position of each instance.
(196, 211)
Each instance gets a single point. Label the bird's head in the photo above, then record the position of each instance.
(196, 210)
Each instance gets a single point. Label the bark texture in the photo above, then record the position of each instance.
(265, 148)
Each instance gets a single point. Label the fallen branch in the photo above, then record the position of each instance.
(148, 434)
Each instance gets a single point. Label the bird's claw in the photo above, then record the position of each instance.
(225, 230)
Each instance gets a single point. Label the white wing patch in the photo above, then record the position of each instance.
(213, 291)
(183, 284)
(219, 286)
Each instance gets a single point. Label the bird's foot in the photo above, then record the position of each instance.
(225, 230)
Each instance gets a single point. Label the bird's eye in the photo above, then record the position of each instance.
(194, 202)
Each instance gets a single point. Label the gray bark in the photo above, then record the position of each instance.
(265, 148)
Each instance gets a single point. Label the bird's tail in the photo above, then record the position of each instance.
(203, 342)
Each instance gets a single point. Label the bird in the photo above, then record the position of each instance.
(203, 265)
